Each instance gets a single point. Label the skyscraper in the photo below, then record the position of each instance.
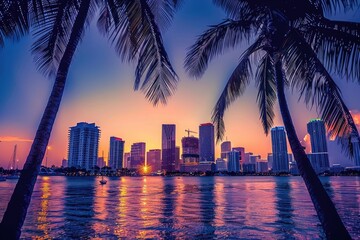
(242, 153)
(233, 163)
(168, 147)
(116, 153)
(319, 153)
(190, 153)
(153, 157)
(279, 148)
(206, 142)
(137, 155)
(126, 160)
(83, 145)
(225, 148)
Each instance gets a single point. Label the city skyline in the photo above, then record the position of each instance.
(100, 90)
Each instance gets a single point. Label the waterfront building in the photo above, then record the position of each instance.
(221, 165)
(279, 150)
(225, 149)
(319, 153)
(83, 145)
(247, 157)
(168, 147)
(153, 159)
(116, 153)
(100, 162)
(206, 142)
(178, 160)
(233, 164)
(127, 160)
(293, 168)
(137, 155)
(241, 150)
(270, 160)
(64, 163)
(249, 168)
(262, 166)
(190, 147)
(254, 158)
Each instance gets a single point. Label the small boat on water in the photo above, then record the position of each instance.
(102, 181)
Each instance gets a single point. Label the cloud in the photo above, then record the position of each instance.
(14, 139)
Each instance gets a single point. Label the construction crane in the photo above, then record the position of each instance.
(189, 131)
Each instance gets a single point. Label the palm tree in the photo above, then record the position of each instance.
(59, 25)
(296, 45)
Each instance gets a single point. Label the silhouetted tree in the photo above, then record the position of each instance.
(296, 44)
(59, 25)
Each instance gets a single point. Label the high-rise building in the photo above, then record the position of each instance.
(270, 160)
(262, 166)
(279, 150)
(233, 164)
(83, 145)
(241, 150)
(247, 157)
(153, 158)
(100, 162)
(319, 153)
(221, 165)
(168, 147)
(206, 142)
(225, 148)
(177, 158)
(127, 160)
(64, 163)
(190, 153)
(356, 149)
(116, 153)
(137, 155)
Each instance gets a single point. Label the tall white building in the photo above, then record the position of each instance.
(116, 153)
(83, 145)
(279, 150)
(356, 149)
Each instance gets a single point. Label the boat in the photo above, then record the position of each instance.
(102, 181)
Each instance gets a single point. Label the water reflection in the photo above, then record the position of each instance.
(42, 221)
(167, 216)
(207, 208)
(79, 207)
(285, 223)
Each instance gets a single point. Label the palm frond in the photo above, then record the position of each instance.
(14, 21)
(266, 97)
(213, 42)
(332, 6)
(154, 74)
(53, 34)
(163, 11)
(337, 44)
(234, 88)
(309, 76)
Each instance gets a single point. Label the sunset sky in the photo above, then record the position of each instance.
(100, 90)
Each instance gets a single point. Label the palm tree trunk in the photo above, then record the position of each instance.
(326, 211)
(13, 219)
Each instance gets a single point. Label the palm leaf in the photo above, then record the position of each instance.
(316, 86)
(337, 44)
(266, 97)
(154, 69)
(53, 34)
(213, 42)
(234, 88)
(14, 21)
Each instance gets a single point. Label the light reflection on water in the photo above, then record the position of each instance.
(181, 207)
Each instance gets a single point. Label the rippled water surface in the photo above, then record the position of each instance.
(182, 207)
